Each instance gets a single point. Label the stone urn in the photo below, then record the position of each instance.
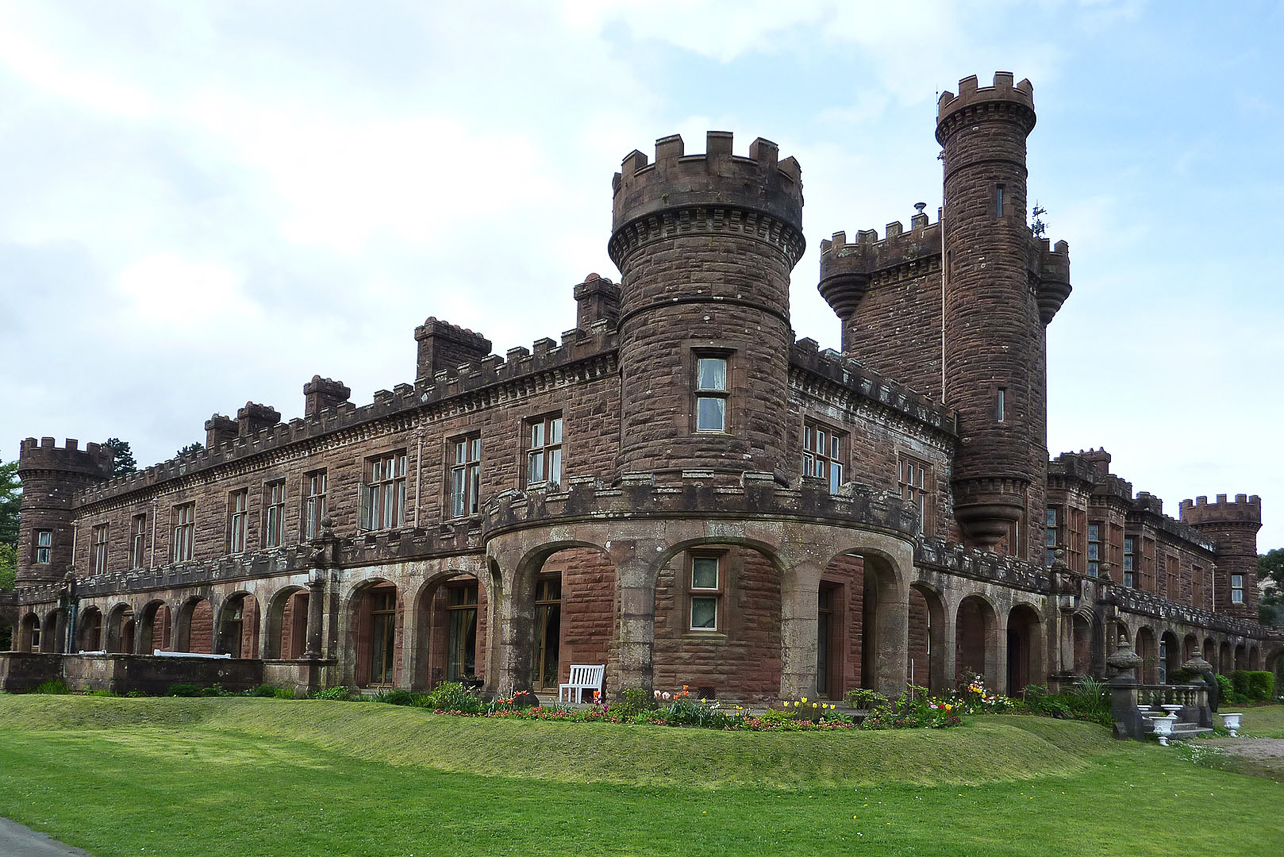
(1231, 721)
(1164, 728)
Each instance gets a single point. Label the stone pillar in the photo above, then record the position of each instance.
(893, 643)
(1123, 692)
(514, 621)
(636, 564)
(316, 610)
(799, 594)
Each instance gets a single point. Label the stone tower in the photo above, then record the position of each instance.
(1234, 527)
(50, 475)
(705, 244)
(994, 345)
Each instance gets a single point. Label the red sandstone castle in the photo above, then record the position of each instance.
(678, 489)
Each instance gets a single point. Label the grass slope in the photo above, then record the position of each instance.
(267, 777)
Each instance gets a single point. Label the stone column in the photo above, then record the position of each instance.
(637, 566)
(950, 644)
(316, 610)
(1123, 692)
(799, 593)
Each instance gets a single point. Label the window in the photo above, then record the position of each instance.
(383, 637)
(1001, 404)
(1163, 661)
(238, 516)
(706, 592)
(274, 514)
(465, 475)
(314, 505)
(1197, 588)
(915, 484)
(184, 519)
(98, 552)
(383, 502)
(998, 200)
(44, 546)
(711, 394)
(1237, 589)
(137, 541)
(1130, 561)
(544, 454)
(1050, 537)
(461, 653)
(823, 455)
(1173, 574)
(1094, 550)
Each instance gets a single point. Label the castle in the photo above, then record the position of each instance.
(679, 489)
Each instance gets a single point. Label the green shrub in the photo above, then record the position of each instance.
(102, 693)
(215, 689)
(632, 702)
(1259, 684)
(54, 685)
(183, 690)
(402, 697)
(1229, 694)
(1239, 678)
(451, 696)
(866, 699)
(338, 693)
(135, 694)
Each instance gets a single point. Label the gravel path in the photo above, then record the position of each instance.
(19, 841)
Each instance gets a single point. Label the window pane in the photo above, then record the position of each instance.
(807, 437)
(555, 465)
(711, 374)
(711, 414)
(1094, 533)
(835, 477)
(834, 449)
(474, 449)
(1094, 550)
(704, 614)
(537, 434)
(1052, 517)
(535, 467)
(704, 573)
(457, 492)
(555, 430)
(461, 451)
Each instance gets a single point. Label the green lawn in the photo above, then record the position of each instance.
(271, 777)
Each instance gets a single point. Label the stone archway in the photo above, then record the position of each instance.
(1147, 650)
(375, 623)
(1025, 649)
(29, 633)
(1225, 658)
(238, 626)
(1168, 658)
(120, 630)
(90, 632)
(155, 628)
(452, 626)
(287, 624)
(194, 627)
(927, 634)
(1081, 635)
(977, 641)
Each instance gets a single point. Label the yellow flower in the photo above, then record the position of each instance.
(804, 699)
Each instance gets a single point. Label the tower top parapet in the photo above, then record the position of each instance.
(1244, 509)
(1015, 101)
(45, 454)
(761, 182)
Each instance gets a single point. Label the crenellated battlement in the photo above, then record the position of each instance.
(1002, 100)
(868, 384)
(717, 180)
(1244, 509)
(92, 461)
(847, 270)
(1051, 264)
(591, 350)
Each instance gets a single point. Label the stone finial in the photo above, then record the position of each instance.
(1124, 660)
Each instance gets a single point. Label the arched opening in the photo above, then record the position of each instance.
(377, 634)
(120, 630)
(91, 630)
(1210, 652)
(49, 641)
(1254, 658)
(287, 625)
(1188, 645)
(195, 627)
(1081, 638)
(1241, 657)
(1146, 650)
(29, 633)
(156, 628)
(1169, 656)
(927, 653)
(452, 623)
(238, 634)
(6, 635)
(1225, 658)
(717, 622)
(1025, 649)
(976, 641)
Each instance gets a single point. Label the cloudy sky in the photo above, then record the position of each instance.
(207, 203)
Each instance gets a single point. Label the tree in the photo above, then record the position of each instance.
(196, 446)
(122, 456)
(10, 501)
(1270, 567)
(8, 566)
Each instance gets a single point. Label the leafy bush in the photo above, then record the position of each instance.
(1087, 700)
(403, 697)
(1253, 685)
(338, 693)
(865, 699)
(102, 693)
(632, 702)
(269, 691)
(135, 694)
(451, 696)
(183, 690)
(915, 709)
(54, 686)
(1229, 694)
(215, 689)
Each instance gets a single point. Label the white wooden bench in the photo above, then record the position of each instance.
(583, 677)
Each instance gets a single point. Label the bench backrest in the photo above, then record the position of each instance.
(583, 674)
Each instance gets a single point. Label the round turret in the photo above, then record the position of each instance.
(50, 476)
(994, 335)
(705, 244)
